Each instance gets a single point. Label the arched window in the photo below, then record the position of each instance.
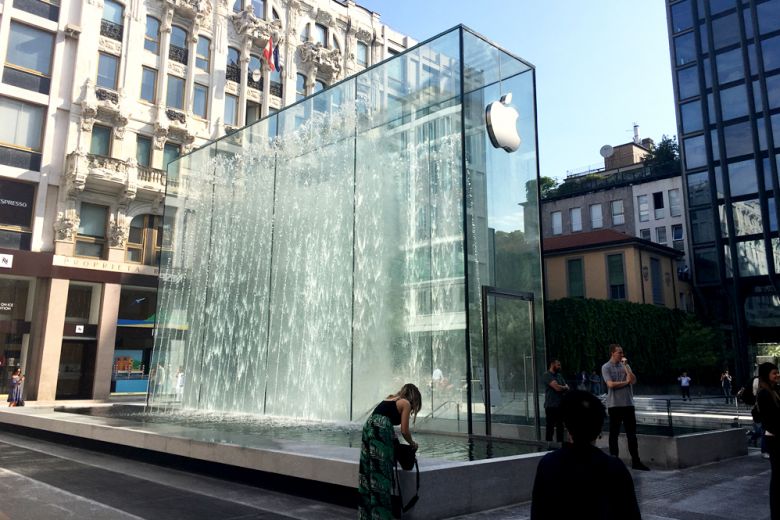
(111, 26)
(320, 34)
(258, 7)
(203, 53)
(233, 69)
(362, 54)
(319, 85)
(305, 33)
(238, 5)
(275, 15)
(178, 50)
(144, 240)
(152, 37)
(255, 64)
(300, 87)
(336, 43)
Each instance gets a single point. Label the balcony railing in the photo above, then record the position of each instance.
(276, 89)
(254, 84)
(175, 115)
(107, 95)
(178, 54)
(151, 175)
(233, 73)
(111, 30)
(602, 179)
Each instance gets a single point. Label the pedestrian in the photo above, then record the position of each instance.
(725, 384)
(768, 403)
(595, 383)
(685, 385)
(180, 384)
(582, 381)
(15, 393)
(579, 480)
(619, 379)
(554, 388)
(377, 452)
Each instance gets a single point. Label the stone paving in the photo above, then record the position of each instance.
(43, 480)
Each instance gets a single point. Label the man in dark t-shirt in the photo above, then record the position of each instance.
(554, 388)
(579, 480)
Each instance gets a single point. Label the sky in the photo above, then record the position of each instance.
(601, 65)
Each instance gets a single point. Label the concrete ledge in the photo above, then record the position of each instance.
(684, 451)
(447, 488)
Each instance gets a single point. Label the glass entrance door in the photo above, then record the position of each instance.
(509, 378)
(77, 370)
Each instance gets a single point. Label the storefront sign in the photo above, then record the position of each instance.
(16, 203)
(104, 265)
(6, 306)
(6, 261)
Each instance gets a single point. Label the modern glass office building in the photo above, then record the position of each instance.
(726, 68)
(368, 236)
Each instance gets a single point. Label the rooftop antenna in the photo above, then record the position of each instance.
(606, 151)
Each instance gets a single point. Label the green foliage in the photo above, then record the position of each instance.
(547, 187)
(654, 338)
(665, 155)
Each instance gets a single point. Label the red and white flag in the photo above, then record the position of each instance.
(268, 53)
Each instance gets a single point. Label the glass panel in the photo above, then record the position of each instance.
(751, 257)
(698, 188)
(152, 37)
(682, 16)
(79, 302)
(557, 223)
(675, 203)
(101, 141)
(617, 212)
(175, 97)
(362, 54)
(143, 154)
(771, 206)
(92, 220)
(747, 217)
(771, 50)
(705, 264)
(685, 49)
(200, 100)
(724, 220)
(203, 53)
(30, 48)
(179, 37)
(688, 82)
(320, 35)
(768, 15)
(22, 123)
(733, 102)
(725, 31)
(691, 117)
(718, 6)
(148, 84)
(112, 11)
(660, 235)
(107, 67)
(773, 91)
(695, 152)
(258, 7)
(702, 226)
(730, 66)
(615, 277)
(643, 206)
(742, 178)
(576, 281)
(231, 109)
(575, 216)
(738, 139)
(596, 218)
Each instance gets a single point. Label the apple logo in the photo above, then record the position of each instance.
(501, 122)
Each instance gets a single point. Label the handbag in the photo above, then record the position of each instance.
(406, 458)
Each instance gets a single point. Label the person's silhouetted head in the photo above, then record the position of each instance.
(583, 415)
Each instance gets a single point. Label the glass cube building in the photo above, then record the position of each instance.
(368, 236)
(726, 68)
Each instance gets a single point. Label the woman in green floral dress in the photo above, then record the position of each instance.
(377, 456)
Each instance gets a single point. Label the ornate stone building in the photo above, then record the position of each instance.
(97, 98)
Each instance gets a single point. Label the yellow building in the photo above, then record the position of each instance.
(606, 264)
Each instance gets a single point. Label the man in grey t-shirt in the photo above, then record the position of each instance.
(619, 379)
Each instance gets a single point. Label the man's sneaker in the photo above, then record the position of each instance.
(639, 466)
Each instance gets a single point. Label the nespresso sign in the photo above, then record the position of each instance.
(16, 203)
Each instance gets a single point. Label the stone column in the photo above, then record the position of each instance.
(106, 340)
(45, 359)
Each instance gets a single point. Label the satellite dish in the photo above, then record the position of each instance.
(257, 74)
(606, 151)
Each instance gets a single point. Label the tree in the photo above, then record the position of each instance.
(665, 155)
(699, 349)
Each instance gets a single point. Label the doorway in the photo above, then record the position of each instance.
(509, 375)
(77, 370)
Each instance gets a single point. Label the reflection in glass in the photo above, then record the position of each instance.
(729, 66)
(695, 152)
(742, 178)
(751, 256)
(684, 49)
(747, 217)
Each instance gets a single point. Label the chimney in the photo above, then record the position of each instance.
(637, 141)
